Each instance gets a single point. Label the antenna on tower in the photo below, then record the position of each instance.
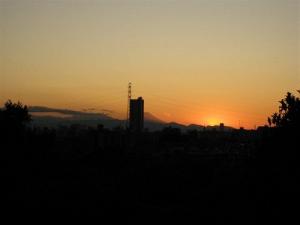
(128, 104)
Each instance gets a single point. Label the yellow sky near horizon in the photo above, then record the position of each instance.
(205, 61)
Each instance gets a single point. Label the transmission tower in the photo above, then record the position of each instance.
(128, 104)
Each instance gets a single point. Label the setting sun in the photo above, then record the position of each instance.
(212, 122)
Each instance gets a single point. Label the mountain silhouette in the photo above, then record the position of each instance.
(149, 117)
(195, 127)
(54, 117)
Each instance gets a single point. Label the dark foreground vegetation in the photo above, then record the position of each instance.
(164, 177)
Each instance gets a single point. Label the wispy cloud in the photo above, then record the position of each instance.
(72, 113)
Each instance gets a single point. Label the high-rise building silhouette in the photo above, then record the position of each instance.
(136, 114)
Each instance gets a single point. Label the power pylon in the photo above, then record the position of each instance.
(128, 104)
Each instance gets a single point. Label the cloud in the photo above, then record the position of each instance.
(72, 113)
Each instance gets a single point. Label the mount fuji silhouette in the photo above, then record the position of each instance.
(53, 117)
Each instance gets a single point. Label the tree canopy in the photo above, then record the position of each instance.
(14, 114)
(288, 115)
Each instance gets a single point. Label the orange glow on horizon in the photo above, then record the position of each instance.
(194, 62)
(212, 122)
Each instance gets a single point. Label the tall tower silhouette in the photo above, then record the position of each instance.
(136, 114)
(128, 105)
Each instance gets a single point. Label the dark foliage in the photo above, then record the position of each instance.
(278, 170)
(14, 115)
(288, 115)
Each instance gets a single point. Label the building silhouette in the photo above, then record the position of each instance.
(136, 114)
(222, 127)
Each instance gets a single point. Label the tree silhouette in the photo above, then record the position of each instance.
(14, 115)
(288, 115)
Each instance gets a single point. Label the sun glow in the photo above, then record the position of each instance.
(212, 121)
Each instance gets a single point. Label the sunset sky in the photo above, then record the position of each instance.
(202, 61)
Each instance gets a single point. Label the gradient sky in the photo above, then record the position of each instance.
(204, 61)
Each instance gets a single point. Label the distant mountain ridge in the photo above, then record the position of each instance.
(51, 117)
(151, 118)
